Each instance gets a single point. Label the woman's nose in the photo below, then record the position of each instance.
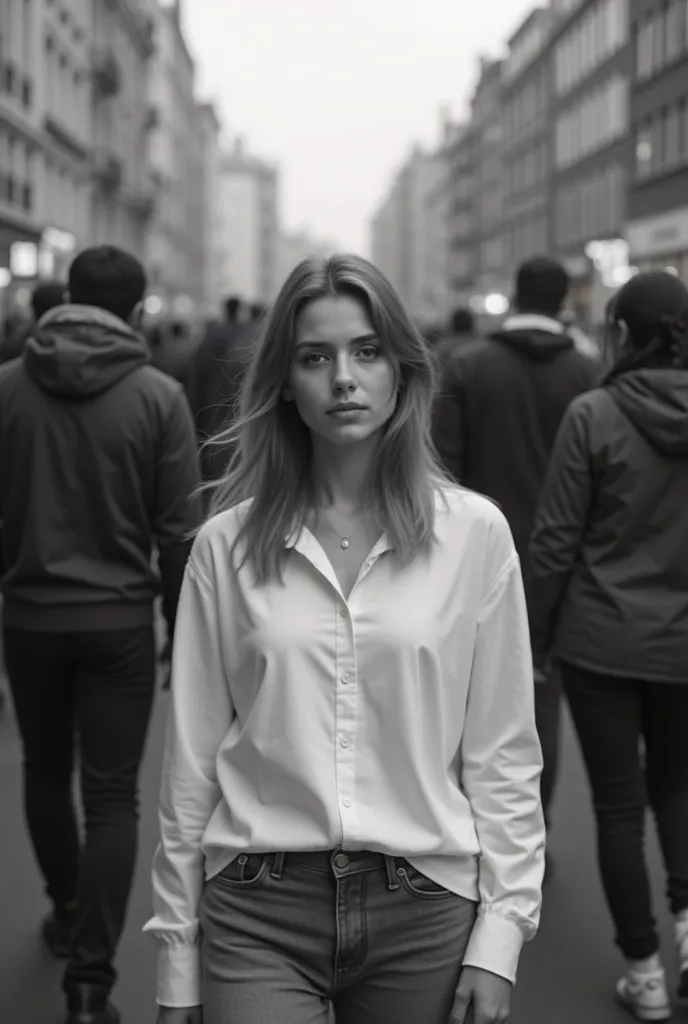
(343, 379)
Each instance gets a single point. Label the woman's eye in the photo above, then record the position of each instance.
(369, 352)
(313, 358)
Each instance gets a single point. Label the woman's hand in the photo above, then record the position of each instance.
(481, 998)
(180, 1015)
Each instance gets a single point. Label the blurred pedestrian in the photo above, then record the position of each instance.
(97, 462)
(46, 296)
(352, 758)
(461, 331)
(609, 598)
(214, 381)
(257, 312)
(496, 419)
(172, 350)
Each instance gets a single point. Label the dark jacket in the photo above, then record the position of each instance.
(213, 385)
(609, 556)
(97, 463)
(500, 404)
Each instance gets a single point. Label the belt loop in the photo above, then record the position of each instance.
(277, 866)
(391, 865)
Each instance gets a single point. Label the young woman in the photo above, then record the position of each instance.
(610, 600)
(350, 804)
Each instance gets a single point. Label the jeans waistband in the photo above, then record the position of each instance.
(340, 862)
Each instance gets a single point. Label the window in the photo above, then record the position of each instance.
(643, 151)
(673, 44)
(659, 40)
(656, 136)
(672, 137)
(644, 49)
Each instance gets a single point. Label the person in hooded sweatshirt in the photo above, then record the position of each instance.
(499, 406)
(98, 462)
(608, 596)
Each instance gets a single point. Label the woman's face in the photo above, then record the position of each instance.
(341, 380)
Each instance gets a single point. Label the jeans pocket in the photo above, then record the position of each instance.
(247, 871)
(419, 885)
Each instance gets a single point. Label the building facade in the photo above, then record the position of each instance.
(404, 240)
(488, 125)
(45, 139)
(591, 147)
(175, 250)
(215, 257)
(249, 222)
(437, 286)
(462, 242)
(657, 231)
(526, 131)
(123, 195)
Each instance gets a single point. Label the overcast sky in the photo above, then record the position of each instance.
(337, 91)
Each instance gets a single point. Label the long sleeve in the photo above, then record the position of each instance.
(177, 506)
(559, 527)
(200, 717)
(450, 421)
(501, 767)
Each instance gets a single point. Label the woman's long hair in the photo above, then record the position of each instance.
(654, 308)
(271, 445)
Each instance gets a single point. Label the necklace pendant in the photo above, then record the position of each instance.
(345, 542)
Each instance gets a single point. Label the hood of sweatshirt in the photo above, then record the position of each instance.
(537, 337)
(656, 402)
(82, 351)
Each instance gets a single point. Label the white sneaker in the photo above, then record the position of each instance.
(645, 995)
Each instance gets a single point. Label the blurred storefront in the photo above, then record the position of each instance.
(660, 242)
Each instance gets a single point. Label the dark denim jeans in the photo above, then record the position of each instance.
(286, 935)
(99, 686)
(612, 716)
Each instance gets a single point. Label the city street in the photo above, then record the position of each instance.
(567, 973)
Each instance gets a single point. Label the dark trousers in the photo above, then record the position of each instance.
(98, 687)
(613, 718)
(548, 721)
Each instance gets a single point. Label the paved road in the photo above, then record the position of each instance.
(566, 975)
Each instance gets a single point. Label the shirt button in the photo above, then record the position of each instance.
(344, 742)
(346, 678)
(346, 802)
(344, 614)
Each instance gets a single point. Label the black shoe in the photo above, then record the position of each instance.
(57, 931)
(683, 985)
(88, 1005)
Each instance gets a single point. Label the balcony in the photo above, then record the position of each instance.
(107, 75)
(108, 173)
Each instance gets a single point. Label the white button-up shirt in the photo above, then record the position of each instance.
(399, 721)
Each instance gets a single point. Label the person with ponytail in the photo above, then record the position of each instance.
(608, 598)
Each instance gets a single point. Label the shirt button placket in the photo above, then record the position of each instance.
(346, 721)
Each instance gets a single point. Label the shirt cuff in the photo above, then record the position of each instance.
(495, 945)
(179, 976)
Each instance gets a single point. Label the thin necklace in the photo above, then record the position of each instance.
(345, 542)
